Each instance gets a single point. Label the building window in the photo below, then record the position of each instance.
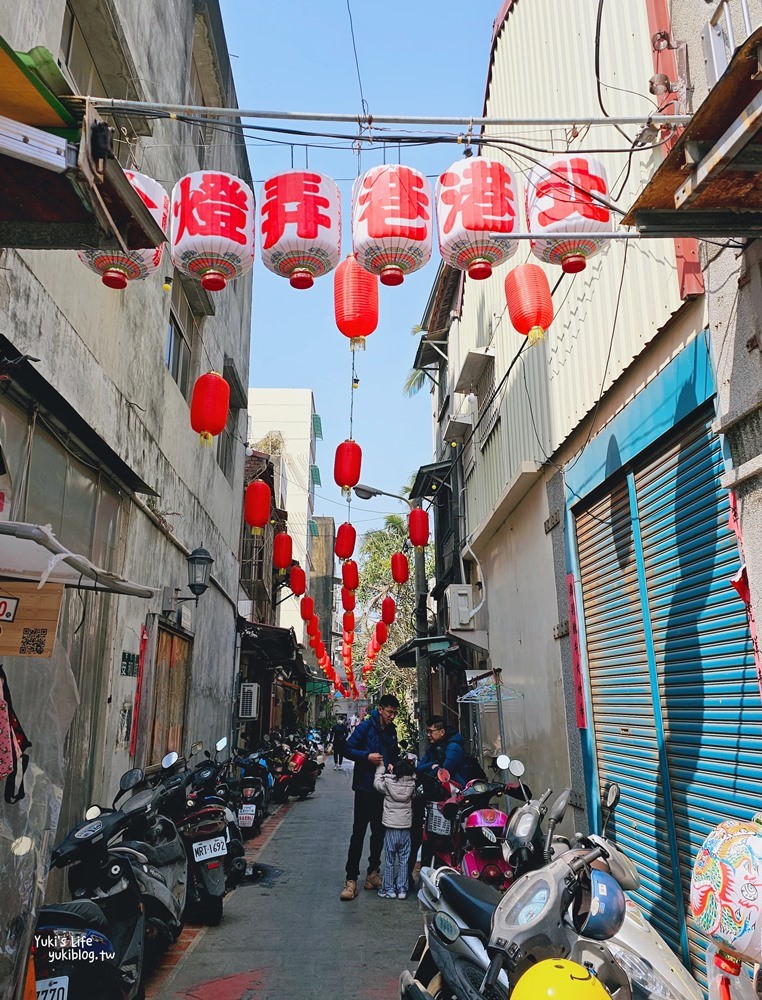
(183, 328)
(317, 427)
(226, 445)
(315, 476)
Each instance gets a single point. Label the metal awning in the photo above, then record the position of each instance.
(428, 479)
(485, 693)
(32, 552)
(457, 428)
(474, 366)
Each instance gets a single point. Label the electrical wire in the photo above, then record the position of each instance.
(363, 102)
(598, 19)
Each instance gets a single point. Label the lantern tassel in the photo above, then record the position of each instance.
(257, 531)
(535, 335)
(206, 439)
(357, 343)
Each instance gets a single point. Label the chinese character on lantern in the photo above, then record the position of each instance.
(476, 200)
(392, 209)
(561, 200)
(212, 227)
(300, 226)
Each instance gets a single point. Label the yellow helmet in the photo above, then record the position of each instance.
(557, 979)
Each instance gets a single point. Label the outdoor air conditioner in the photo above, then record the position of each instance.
(460, 602)
(248, 701)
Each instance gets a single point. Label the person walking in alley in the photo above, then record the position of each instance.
(397, 787)
(338, 737)
(373, 742)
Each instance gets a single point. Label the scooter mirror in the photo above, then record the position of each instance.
(612, 795)
(503, 762)
(516, 768)
(443, 774)
(130, 779)
(197, 747)
(170, 759)
(559, 807)
(93, 812)
(221, 744)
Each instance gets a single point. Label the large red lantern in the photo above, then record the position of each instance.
(256, 508)
(382, 633)
(210, 403)
(530, 303)
(282, 551)
(400, 568)
(313, 626)
(350, 576)
(346, 465)
(355, 301)
(320, 650)
(306, 608)
(300, 226)
(418, 527)
(560, 201)
(348, 621)
(392, 221)
(297, 581)
(346, 536)
(347, 599)
(117, 267)
(476, 202)
(388, 610)
(212, 237)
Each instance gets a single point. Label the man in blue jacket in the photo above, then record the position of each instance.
(373, 742)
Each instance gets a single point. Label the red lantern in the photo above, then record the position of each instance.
(320, 650)
(313, 625)
(418, 527)
(297, 581)
(348, 621)
(400, 568)
(306, 608)
(347, 599)
(355, 301)
(346, 465)
(282, 551)
(209, 406)
(256, 508)
(382, 633)
(350, 576)
(530, 304)
(346, 537)
(348, 637)
(388, 610)
(313, 641)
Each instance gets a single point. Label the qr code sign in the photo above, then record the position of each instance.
(33, 642)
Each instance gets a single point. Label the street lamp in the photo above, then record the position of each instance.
(364, 492)
(199, 569)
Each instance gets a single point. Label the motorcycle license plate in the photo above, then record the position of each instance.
(209, 849)
(248, 810)
(247, 815)
(53, 989)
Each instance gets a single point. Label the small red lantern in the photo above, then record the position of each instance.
(375, 645)
(346, 465)
(320, 650)
(350, 576)
(313, 625)
(418, 527)
(313, 641)
(306, 608)
(400, 568)
(382, 633)
(388, 610)
(282, 551)
(355, 301)
(347, 599)
(256, 510)
(346, 536)
(297, 581)
(209, 407)
(348, 638)
(348, 621)
(530, 304)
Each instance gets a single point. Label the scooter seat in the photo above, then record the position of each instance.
(158, 855)
(79, 914)
(474, 901)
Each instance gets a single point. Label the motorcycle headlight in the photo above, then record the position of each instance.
(646, 981)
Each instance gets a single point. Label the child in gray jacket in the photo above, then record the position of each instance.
(397, 787)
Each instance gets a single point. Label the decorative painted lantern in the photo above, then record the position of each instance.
(282, 551)
(400, 568)
(346, 536)
(212, 236)
(348, 621)
(300, 226)
(355, 301)
(392, 222)
(347, 464)
(388, 610)
(306, 608)
(297, 581)
(530, 303)
(347, 599)
(559, 202)
(382, 633)
(210, 402)
(256, 507)
(350, 575)
(117, 267)
(418, 527)
(476, 202)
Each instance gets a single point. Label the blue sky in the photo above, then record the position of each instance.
(416, 57)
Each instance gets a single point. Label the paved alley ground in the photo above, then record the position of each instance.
(285, 935)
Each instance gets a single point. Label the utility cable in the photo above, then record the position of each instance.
(363, 102)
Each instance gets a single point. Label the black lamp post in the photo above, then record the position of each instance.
(199, 569)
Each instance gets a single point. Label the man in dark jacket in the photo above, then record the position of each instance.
(338, 737)
(373, 742)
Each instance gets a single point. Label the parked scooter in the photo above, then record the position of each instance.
(252, 789)
(298, 776)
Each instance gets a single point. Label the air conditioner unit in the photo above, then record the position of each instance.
(460, 602)
(248, 701)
